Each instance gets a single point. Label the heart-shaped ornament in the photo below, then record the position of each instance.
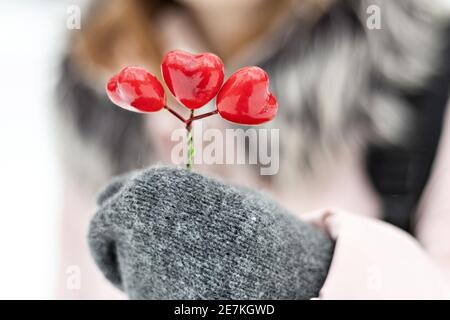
(136, 89)
(194, 80)
(245, 97)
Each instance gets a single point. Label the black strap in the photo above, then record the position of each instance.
(400, 174)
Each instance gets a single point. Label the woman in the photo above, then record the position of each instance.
(361, 110)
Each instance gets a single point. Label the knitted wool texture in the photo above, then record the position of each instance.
(166, 233)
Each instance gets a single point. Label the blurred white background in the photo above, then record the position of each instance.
(31, 36)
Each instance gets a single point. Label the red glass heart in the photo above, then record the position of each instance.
(245, 97)
(194, 80)
(136, 89)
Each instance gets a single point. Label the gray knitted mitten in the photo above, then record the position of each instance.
(166, 233)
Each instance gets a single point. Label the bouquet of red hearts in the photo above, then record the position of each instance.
(194, 80)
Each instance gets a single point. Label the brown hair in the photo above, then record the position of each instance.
(121, 32)
(116, 30)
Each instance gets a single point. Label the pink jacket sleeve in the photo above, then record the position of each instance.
(375, 260)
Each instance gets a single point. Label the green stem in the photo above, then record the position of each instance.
(190, 138)
(190, 142)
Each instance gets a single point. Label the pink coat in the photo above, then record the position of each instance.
(374, 260)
